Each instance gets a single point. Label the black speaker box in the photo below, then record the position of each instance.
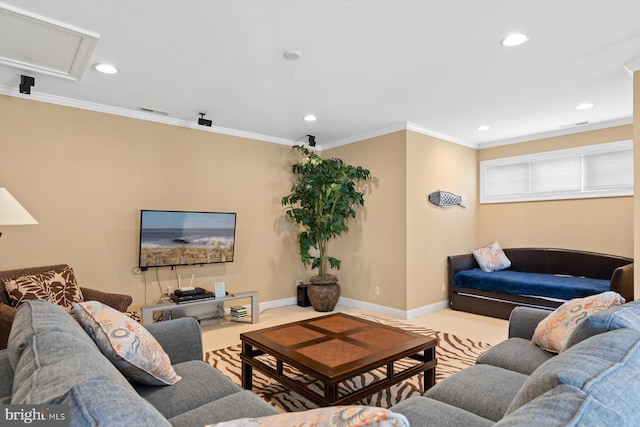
(303, 297)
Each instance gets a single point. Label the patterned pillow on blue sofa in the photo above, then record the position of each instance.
(127, 344)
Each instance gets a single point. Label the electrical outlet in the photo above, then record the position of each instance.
(376, 290)
(443, 287)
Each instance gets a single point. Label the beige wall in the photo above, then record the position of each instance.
(373, 251)
(85, 176)
(401, 241)
(433, 232)
(599, 225)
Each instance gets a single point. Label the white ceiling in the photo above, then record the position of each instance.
(366, 66)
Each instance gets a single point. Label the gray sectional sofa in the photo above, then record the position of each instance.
(594, 382)
(50, 359)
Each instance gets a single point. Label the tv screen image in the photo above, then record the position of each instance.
(172, 238)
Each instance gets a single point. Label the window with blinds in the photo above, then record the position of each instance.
(603, 170)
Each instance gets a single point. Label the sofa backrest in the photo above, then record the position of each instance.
(55, 361)
(565, 261)
(602, 370)
(621, 316)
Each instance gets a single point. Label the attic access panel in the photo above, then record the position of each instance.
(37, 43)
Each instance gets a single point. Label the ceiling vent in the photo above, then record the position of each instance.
(572, 125)
(152, 111)
(37, 43)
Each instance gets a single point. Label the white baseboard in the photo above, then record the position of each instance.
(367, 306)
(426, 309)
(267, 305)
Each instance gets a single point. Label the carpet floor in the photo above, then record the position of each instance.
(454, 354)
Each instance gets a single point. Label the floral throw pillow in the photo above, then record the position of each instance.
(127, 344)
(56, 286)
(491, 258)
(333, 416)
(553, 331)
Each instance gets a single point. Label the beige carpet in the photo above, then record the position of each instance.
(454, 353)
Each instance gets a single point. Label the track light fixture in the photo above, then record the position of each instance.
(204, 122)
(25, 84)
(312, 140)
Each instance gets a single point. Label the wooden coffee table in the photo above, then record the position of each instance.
(333, 349)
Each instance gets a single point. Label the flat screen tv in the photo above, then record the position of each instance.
(172, 238)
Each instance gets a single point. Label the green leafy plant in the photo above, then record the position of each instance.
(322, 199)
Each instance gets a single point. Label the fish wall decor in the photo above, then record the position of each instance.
(445, 199)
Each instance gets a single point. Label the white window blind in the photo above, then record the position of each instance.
(603, 170)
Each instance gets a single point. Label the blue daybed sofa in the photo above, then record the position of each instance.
(538, 277)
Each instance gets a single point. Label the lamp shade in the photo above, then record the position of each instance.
(12, 212)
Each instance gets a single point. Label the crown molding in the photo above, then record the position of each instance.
(140, 115)
(395, 128)
(558, 132)
(632, 66)
(448, 138)
(361, 137)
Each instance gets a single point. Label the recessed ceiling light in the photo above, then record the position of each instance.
(106, 68)
(310, 118)
(584, 106)
(292, 54)
(514, 39)
(484, 128)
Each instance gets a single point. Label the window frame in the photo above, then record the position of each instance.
(582, 193)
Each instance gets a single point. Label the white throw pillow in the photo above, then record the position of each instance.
(491, 258)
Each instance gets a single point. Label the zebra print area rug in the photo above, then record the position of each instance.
(454, 354)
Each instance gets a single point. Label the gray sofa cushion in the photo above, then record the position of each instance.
(38, 316)
(200, 384)
(426, 412)
(605, 366)
(54, 361)
(6, 376)
(621, 316)
(484, 390)
(188, 347)
(98, 401)
(515, 354)
(563, 406)
(238, 405)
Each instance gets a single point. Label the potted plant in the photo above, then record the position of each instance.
(322, 199)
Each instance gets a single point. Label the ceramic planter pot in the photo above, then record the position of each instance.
(324, 292)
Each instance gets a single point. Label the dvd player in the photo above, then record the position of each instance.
(188, 298)
(188, 292)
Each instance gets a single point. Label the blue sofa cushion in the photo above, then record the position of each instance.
(37, 316)
(622, 316)
(509, 355)
(563, 406)
(606, 367)
(242, 404)
(6, 377)
(484, 390)
(98, 401)
(531, 284)
(180, 397)
(55, 355)
(425, 412)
